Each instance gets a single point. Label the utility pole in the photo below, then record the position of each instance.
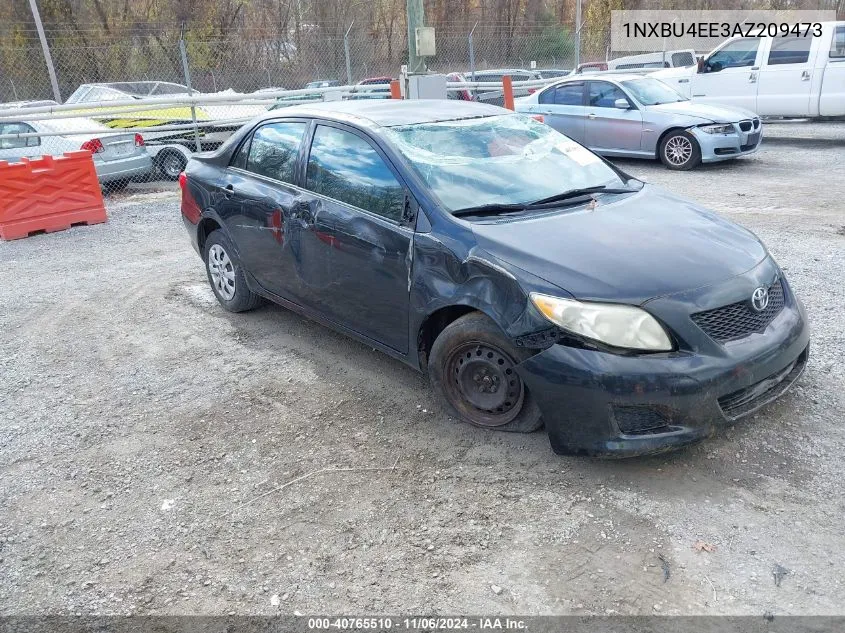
(416, 17)
(44, 47)
(577, 33)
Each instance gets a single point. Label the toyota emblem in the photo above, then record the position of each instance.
(760, 299)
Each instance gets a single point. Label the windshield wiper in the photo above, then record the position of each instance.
(491, 209)
(577, 193)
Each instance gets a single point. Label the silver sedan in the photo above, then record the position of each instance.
(641, 117)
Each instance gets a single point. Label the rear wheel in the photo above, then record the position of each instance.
(226, 276)
(679, 150)
(472, 367)
(171, 163)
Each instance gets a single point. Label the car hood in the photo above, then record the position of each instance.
(628, 249)
(711, 113)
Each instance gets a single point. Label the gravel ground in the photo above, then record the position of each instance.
(151, 445)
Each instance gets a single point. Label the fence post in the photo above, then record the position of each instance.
(346, 53)
(48, 59)
(472, 54)
(577, 33)
(14, 90)
(187, 71)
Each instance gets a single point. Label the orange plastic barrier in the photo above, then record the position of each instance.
(507, 87)
(49, 194)
(395, 90)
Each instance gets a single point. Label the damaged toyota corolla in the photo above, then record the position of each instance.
(535, 282)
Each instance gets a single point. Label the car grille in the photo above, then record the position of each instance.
(745, 401)
(745, 125)
(756, 123)
(738, 320)
(640, 419)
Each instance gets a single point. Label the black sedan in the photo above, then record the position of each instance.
(534, 281)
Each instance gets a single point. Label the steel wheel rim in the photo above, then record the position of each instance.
(172, 165)
(222, 272)
(678, 150)
(482, 384)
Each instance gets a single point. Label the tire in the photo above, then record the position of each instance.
(470, 363)
(171, 163)
(680, 151)
(226, 276)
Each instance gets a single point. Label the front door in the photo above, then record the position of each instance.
(353, 262)
(609, 128)
(562, 107)
(786, 78)
(729, 75)
(259, 206)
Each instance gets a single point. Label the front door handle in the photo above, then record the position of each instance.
(591, 115)
(228, 191)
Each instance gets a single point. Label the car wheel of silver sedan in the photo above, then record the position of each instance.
(679, 150)
(226, 276)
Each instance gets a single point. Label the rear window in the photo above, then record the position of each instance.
(790, 50)
(837, 46)
(274, 149)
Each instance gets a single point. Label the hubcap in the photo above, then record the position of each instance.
(222, 272)
(172, 165)
(483, 385)
(678, 150)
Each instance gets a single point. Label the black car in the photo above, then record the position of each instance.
(533, 281)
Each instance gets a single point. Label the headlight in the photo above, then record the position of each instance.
(717, 129)
(616, 325)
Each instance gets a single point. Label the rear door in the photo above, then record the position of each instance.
(608, 127)
(785, 79)
(832, 100)
(353, 261)
(729, 75)
(562, 107)
(260, 206)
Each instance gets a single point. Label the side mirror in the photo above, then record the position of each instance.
(700, 64)
(622, 104)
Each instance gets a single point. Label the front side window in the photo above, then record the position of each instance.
(604, 95)
(505, 159)
(345, 167)
(274, 149)
(837, 46)
(737, 54)
(790, 50)
(16, 143)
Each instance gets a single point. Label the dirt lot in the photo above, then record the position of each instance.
(147, 436)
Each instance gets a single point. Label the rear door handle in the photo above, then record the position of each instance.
(591, 115)
(805, 76)
(228, 191)
(752, 78)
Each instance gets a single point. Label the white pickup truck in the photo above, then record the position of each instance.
(791, 76)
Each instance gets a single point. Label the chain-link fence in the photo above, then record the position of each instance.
(152, 141)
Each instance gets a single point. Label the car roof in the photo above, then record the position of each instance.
(391, 112)
(609, 76)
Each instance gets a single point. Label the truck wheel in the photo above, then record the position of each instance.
(471, 367)
(679, 150)
(225, 276)
(171, 163)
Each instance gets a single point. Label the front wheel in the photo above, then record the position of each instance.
(680, 151)
(472, 367)
(226, 276)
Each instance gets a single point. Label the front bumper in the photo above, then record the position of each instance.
(588, 397)
(718, 147)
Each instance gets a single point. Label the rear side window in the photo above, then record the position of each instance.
(790, 50)
(16, 143)
(274, 149)
(345, 167)
(837, 46)
(683, 59)
(565, 94)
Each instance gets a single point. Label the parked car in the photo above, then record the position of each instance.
(790, 76)
(663, 59)
(590, 67)
(169, 149)
(458, 94)
(641, 117)
(323, 83)
(534, 281)
(118, 157)
(553, 73)
(382, 92)
(495, 96)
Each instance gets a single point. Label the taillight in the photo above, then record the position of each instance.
(531, 91)
(95, 146)
(538, 117)
(183, 180)
(190, 209)
(139, 140)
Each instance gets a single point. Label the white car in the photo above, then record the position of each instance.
(118, 157)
